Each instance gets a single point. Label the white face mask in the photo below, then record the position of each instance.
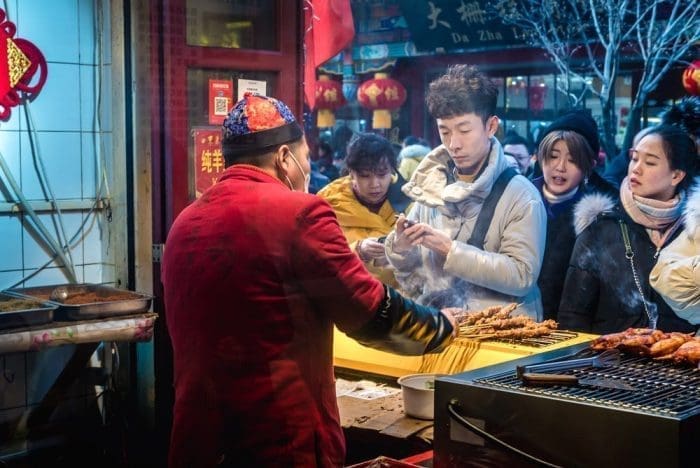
(307, 176)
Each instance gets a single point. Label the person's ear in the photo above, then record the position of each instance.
(281, 159)
(492, 124)
(677, 177)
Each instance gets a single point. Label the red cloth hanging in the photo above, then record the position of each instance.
(329, 28)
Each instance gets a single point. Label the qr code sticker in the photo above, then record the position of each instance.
(220, 105)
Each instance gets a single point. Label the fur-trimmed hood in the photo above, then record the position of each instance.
(593, 205)
(692, 209)
(589, 208)
(416, 152)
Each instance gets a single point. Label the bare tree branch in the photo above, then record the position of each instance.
(592, 38)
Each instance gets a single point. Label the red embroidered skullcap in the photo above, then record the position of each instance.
(257, 123)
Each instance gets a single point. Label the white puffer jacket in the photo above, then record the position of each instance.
(676, 275)
(508, 267)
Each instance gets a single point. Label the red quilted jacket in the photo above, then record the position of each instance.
(255, 276)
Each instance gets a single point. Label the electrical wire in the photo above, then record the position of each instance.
(460, 419)
(44, 181)
(48, 238)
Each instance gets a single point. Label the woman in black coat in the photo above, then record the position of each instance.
(567, 155)
(607, 283)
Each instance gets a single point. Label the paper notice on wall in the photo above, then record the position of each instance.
(220, 100)
(251, 86)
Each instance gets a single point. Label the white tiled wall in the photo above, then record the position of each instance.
(68, 138)
(66, 133)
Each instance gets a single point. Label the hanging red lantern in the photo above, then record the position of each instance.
(691, 78)
(381, 94)
(537, 94)
(329, 97)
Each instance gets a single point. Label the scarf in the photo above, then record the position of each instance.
(660, 218)
(553, 199)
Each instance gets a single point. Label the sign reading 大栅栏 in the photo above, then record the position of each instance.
(457, 24)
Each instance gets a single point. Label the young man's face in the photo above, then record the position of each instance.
(467, 139)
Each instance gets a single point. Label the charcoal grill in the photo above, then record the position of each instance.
(654, 422)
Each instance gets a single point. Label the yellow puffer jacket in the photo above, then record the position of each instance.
(357, 222)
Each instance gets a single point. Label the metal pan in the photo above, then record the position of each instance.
(18, 311)
(89, 301)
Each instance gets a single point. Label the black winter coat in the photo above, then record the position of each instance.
(600, 295)
(560, 242)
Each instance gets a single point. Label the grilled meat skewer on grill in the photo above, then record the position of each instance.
(613, 340)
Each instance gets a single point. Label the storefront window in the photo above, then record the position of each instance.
(233, 24)
(516, 92)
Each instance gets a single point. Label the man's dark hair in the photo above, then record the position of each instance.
(411, 140)
(462, 90)
(512, 138)
(327, 150)
(367, 152)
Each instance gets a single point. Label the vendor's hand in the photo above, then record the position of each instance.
(452, 314)
(370, 249)
(459, 314)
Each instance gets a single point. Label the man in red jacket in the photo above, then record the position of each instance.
(256, 273)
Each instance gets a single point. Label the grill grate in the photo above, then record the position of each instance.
(658, 387)
(554, 337)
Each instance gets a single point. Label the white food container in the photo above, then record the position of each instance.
(419, 394)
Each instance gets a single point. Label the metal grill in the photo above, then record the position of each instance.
(658, 387)
(554, 337)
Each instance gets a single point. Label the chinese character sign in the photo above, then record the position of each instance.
(208, 158)
(457, 24)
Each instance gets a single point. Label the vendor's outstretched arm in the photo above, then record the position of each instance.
(402, 326)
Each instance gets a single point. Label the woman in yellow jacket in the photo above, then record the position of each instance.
(368, 199)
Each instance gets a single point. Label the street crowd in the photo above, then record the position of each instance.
(258, 271)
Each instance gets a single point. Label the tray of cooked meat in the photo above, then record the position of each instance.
(87, 301)
(21, 311)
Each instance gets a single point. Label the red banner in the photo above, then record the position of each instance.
(329, 29)
(208, 158)
(220, 100)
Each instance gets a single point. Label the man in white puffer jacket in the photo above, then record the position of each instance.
(676, 275)
(436, 260)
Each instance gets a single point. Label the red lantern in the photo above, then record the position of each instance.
(537, 94)
(329, 97)
(691, 78)
(381, 94)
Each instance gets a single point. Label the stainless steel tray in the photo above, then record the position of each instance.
(25, 312)
(103, 301)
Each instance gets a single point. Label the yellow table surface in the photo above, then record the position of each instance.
(349, 354)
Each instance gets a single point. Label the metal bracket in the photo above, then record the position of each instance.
(157, 252)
